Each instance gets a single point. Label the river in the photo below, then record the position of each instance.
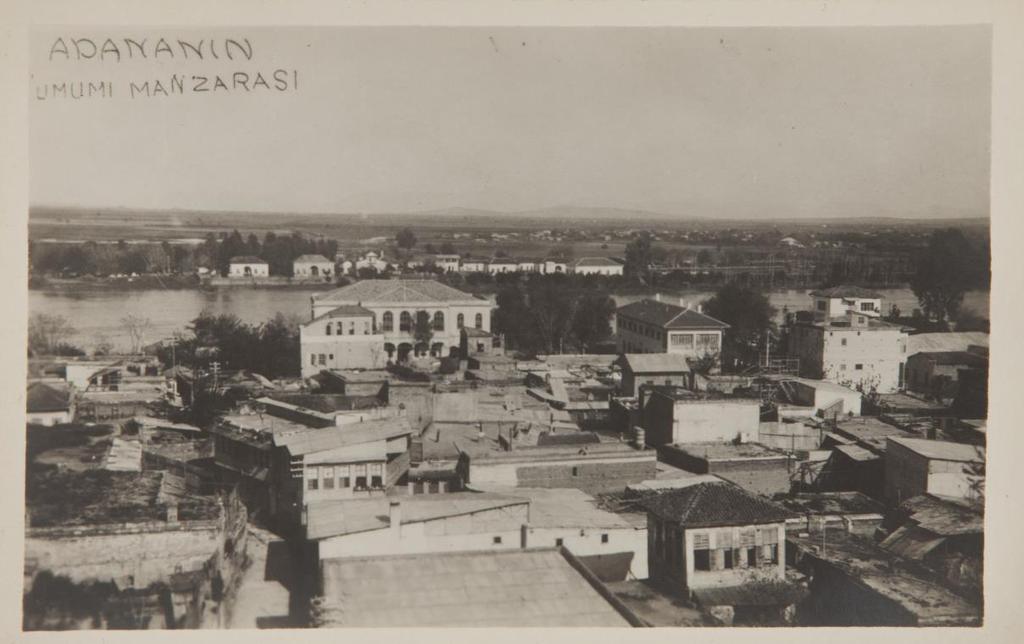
(96, 314)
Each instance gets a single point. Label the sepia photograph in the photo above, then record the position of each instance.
(506, 326)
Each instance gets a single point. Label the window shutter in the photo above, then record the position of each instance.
(701, 541)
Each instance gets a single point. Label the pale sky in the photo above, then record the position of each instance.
(752, 123)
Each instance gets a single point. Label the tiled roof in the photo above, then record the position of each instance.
(247, 259)
(655, 362)
(847, 291)
(714, 504)
(318, 440)
(312, 259)
(42, 398)
(395, 291)
(669, 316)
(530, 588)
(345, 310)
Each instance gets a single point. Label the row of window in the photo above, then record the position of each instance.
(366, 328)
(642, 329)
(405, 321)
(754, 547)
(320, 358)
(361, 476)
(704, 341)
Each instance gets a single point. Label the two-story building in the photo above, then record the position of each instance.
(312, 267)
(282, 465)
(838, 301)
(720, 545)
(447, 263)
(388, 320)
(372, 260)
(652, 326)
(248, 266)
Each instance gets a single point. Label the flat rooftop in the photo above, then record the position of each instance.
(61, 498)
(728, 451)
(563, 508)
(888, 575)
(869, 431)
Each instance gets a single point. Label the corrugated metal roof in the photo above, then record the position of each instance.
(942, 450)
(530, 588)
(955, 341)
(307, 441)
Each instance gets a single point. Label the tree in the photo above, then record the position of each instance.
(102, 346)
(749, 316)
(422, 330)
(639, 257)
(592, 323)
(945, 270)
(46, 333)
(405, 239)
(447, 248)
(136, 327)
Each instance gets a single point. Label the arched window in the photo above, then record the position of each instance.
(460, 320)
(439, 321)
(405, 321)
(387, 322)
(479, 320)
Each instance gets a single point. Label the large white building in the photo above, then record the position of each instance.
(248, 266)
(312, 266)
(373, 322)
(854, 350)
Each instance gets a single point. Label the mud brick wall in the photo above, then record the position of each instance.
(762, 476)
(590, 477)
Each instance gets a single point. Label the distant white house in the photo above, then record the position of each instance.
(473, 265)
(447, 263)
(48, 405)
(502, 265)
(596, 266)
(312, 266)
(372, 260)
(248, 266)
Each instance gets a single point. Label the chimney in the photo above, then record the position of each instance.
(395, 517)
(700, 308)
(657, 297)
(172, 513)
(682, 303)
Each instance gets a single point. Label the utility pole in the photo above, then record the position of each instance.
(215, 368)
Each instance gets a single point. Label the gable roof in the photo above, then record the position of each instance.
(655, 362)
(247, 259)
(514, 587)
(669, 316)
(847, 291)
(384, 291)
(41, 397)
(714, 504)
(312, 259)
